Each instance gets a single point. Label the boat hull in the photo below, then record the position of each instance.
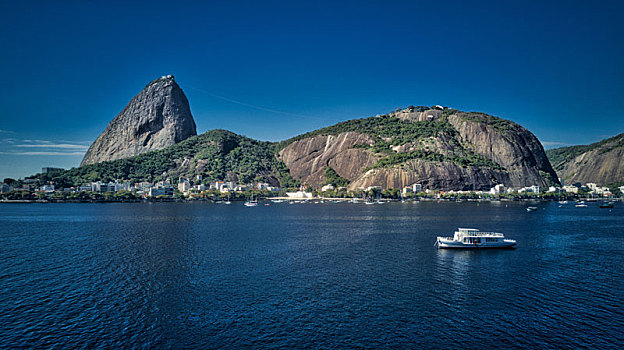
(459, 245)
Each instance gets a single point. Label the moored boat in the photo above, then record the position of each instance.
(251, 202)
(471, 238)
(531, 208)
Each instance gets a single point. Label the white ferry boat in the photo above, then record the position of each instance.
(471, 238)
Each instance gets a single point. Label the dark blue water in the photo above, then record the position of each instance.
(198, 275)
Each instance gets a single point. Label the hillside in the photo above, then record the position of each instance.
(440, 148)
(216, 155)
(601, 162)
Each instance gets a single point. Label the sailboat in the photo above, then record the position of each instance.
(251, 202)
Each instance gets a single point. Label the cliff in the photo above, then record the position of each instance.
(601, 162)
(158, 117)
(440, 148)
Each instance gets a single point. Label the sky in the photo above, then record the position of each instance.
(271, 70)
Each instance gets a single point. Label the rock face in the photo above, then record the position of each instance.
(438, 148)
(513, 147)
(445, 175)
(308, 159)
(601, 162)
(158, 117)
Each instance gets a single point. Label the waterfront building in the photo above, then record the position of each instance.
(47, 188)
(200, 187)
(184, 185)
(299, 194)
(407, 190)
(498, 189)
(553, 189)
(161, 191)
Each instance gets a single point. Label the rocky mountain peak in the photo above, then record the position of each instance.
(159, 116)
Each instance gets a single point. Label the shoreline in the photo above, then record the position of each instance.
(309, 200)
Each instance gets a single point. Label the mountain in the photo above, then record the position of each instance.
(438, 147)
(601, 162)
(216, 155)
(158, 117)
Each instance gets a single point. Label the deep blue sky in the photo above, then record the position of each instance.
(69, 67)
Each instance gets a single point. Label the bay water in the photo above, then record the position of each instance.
(332, 275)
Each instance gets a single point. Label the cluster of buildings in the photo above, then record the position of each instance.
(195, 188)
(144, 189)
(591, 188)
(189, 189)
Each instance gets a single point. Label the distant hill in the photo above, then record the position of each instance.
(601, 162)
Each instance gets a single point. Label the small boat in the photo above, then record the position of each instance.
(471, 238)
(251, 202)
(563, 202)
(531, 208)
(606, 205)
(581, 205)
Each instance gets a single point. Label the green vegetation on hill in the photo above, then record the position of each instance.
(495, 122)
(334, 179)
(559, 156)
(388, 131)
(216, 155)
(380, 128)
